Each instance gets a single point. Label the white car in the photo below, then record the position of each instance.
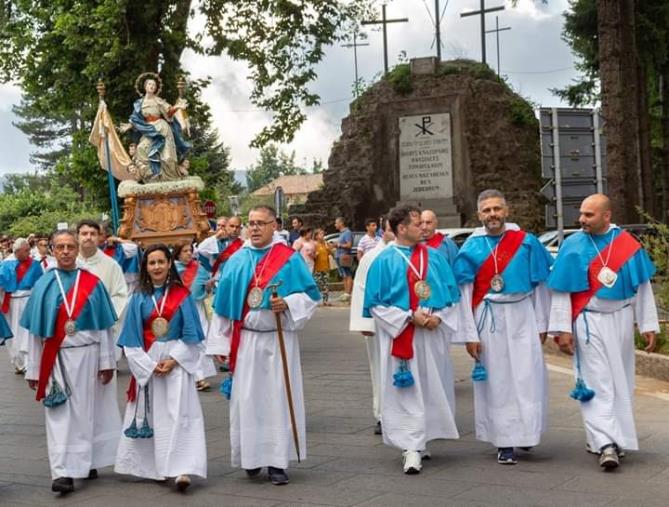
(459, 235)
(550, 239)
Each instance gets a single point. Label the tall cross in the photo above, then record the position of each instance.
(482, 12)
(384, 22)
(355, 47)
(496, 32)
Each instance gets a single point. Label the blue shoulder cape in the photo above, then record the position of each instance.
(5, 332)
(8, 280)
(41, 312)
(197, 289)
(128, 264)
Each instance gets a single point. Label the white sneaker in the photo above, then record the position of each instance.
(182, 482)
(412, 462)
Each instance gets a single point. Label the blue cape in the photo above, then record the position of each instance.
(529, 267)
(570, 271)
(448, 249)
(387, 281)
(197, 289)
(204, 260)
(128, 264)
(41, 312)
(5, 332)
(8, 276)
(238, 271)
(184, 325)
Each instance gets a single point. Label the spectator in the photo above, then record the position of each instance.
(307, 247)
(322, 265)
(343, 256)
(370, 240)
(294, 235)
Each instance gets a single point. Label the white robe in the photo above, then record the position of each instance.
(606, 353)
(83, 432)
(207, 366)
(130, 250)
(511, 407)
(413, 416)
(260, 428)
(359, 323)
(19, 344)
(178, 446)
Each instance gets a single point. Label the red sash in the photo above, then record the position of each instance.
(110, 251)
(188, 274)
(506, 249)
(624, 247)
(174, 299)
(21, 270)
(226, 254)
(435, 240)
(87, 283)
(265, 270)
(403, 344)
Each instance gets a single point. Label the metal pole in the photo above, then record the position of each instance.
(355, 59)
(112, 186)
(598, 151)
(437, 28)
(385, 38)
(483, 58)
(497, 34)
(557, 175)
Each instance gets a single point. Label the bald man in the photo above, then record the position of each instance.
(431, 237)
(601, 288)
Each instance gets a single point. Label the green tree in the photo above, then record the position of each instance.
(272, 163)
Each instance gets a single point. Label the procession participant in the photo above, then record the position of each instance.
(412, 295)
(601, 283)
(244, 328)
(434, 238)
(210, 247)
(163, 433)
(502, 272)
(365, 325)
(125, 253)
(17, 278)
(43, 256)
(71, 364)
(195, 278)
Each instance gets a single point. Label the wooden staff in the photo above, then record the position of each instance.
(286, 375)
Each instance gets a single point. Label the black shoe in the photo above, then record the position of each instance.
(526, 449)
(377, 429)
(277, 476)
(93, 474)
(63, 485)
(252, 472)
(608, 457)
(506, 456)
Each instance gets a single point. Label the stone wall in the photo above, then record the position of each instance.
(495, 144)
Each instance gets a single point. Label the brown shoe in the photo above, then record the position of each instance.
(202, 385)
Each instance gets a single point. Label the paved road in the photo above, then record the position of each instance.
(347, 464)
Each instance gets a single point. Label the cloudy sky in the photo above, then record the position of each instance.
(533, 57)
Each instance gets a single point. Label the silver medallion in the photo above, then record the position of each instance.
(422, 289)
(255, 297)
(160, 326)
(70, 327)
(607, 277)
(497, 283)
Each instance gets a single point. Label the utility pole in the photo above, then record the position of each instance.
(496, 32)
(355, 47)
(384, 22)
(482, 12)
(437, 28)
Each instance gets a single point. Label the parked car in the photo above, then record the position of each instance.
(550, 239)
(357, 236)
(459, 235)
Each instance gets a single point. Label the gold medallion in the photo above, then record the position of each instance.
(422, 289)
(497, 283)
(70, 327)
(160, 326)
(255, 297)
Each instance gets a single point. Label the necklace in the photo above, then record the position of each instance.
(160, 325)
(496, 282)
(70, 325)
(421, 288)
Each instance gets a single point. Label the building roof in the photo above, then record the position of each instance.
(292, 185)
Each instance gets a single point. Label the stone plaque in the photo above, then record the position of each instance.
(426, 162)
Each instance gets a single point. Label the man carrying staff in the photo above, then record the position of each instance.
(71, 363)
(244, 328)
(17, 278)
(502, 272)
(601, 283)
(412, 295)
(445, 245)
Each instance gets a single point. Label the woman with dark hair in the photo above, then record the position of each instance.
(195, 277)
(161, 337)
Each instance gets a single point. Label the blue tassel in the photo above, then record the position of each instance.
(226, 387)
(56, 397)
(132, 431)
(145, 431)
(479, 373)
(581, 392)
(403, 376)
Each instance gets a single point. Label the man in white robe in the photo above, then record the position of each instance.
(365, 325)
(261, 432)
(511, 307)
(599, 331)
(83, 429)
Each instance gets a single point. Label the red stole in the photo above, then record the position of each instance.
(176, 296)
(403, 344)
(226, 254)
(624, 247)
(110, 250)
(21, 270)
(506, 249)
(188, 274)
(266, 269)
(87, 284)
(435, 240)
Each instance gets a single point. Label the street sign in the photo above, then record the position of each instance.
(209, 208)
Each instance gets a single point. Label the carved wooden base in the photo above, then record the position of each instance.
(163, 217)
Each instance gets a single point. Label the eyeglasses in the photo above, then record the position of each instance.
(258, 223)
